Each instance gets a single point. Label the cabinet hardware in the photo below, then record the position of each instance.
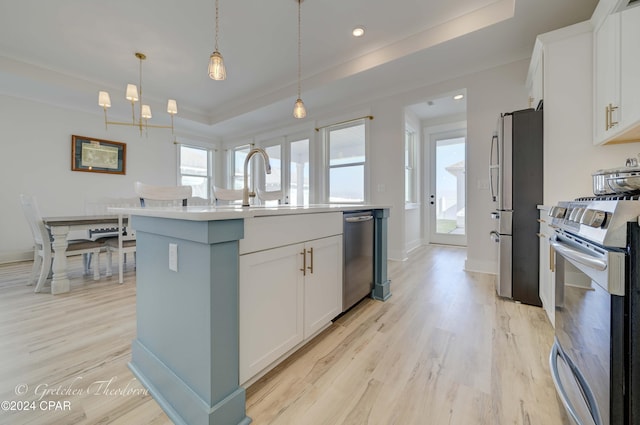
(304, 262)
(310, 251)
(539, 220)
(612, 123)
(541, 235)
(552, 259)
(606, 118)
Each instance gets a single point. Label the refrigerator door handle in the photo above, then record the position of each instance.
(494, 167)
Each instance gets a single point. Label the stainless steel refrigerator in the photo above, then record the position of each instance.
(516, 189)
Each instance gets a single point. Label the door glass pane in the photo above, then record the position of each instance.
(346, 184)
(450, 186)
(273, 181)
(299, 173)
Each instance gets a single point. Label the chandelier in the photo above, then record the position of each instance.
(133, 96)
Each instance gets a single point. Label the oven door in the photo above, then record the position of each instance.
(589, 322)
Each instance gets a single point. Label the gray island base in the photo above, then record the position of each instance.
(186, 352)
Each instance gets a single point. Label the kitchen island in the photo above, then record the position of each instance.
(225, 293)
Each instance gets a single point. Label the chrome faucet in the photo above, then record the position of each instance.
(245, 191)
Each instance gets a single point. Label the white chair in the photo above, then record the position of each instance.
(274, 195)
(166, 195)
(43, 253)
(121, 239)
(227, 195)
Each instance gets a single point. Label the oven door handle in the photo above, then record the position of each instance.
(556, 352)
(578, 256)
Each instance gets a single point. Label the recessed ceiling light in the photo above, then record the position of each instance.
(358, 31)
(458, 97)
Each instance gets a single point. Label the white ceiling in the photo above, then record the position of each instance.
(64, 51)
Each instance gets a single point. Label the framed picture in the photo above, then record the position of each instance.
(98, 156)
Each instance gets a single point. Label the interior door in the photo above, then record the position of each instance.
(446, 204)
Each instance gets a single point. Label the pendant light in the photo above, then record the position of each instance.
(299, 111)
(216, 64)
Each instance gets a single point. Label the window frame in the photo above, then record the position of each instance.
(210, 166)
(327, 160)
(412, 158)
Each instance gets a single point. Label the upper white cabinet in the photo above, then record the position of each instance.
(535, 78)
(617, 83)
(607, 79)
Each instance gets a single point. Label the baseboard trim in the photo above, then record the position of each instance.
(15, 256)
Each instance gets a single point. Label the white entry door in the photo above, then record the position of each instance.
(446, 199)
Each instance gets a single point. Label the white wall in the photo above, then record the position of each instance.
(35, 141)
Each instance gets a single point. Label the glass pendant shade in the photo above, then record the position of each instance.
(299, 111)
(216, 67)
(132, 93)
(104, 100)
(146, 112)
(172, 107)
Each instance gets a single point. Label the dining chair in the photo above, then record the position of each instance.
(43, 252)
(166, 195)
(274, 195)
(120, 239)
(226, 195)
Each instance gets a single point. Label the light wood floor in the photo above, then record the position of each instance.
(442, 350)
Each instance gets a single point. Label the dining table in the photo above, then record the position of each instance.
(60, 226)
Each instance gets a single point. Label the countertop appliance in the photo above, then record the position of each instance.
(358, 257)
(595, 359)
(516, 188)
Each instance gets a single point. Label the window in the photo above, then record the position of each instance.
(195, 169)
(410, 167)
(239, 155)
(299, 172)
(346, 148)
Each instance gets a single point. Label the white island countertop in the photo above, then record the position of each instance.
(230, 212)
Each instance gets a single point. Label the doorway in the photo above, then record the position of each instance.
(446, 198)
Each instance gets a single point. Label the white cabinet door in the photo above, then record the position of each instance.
(547, 274)
(323, 283)
(630, 66)
(271, 306)
(607, 78)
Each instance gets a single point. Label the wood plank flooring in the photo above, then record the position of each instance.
(442, 350)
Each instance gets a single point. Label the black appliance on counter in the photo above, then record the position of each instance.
(595, 360)
(516, 187)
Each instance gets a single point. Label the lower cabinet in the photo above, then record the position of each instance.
(287, 294)
(547, 266)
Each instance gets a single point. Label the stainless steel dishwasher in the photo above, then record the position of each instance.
(358, 257)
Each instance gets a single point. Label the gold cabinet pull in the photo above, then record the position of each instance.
(552, 259)
(611, 121)
(310, 251)
(541, 235)
(304, 262)
(606, 117)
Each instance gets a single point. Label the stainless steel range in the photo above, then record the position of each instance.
(595, 360)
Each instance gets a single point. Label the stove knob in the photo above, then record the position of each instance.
(593, 218)
(557, 212)
(576, 214)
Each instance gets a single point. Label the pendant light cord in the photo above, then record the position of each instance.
(216, 47)
(299, 48)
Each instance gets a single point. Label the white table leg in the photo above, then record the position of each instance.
(60, 280)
